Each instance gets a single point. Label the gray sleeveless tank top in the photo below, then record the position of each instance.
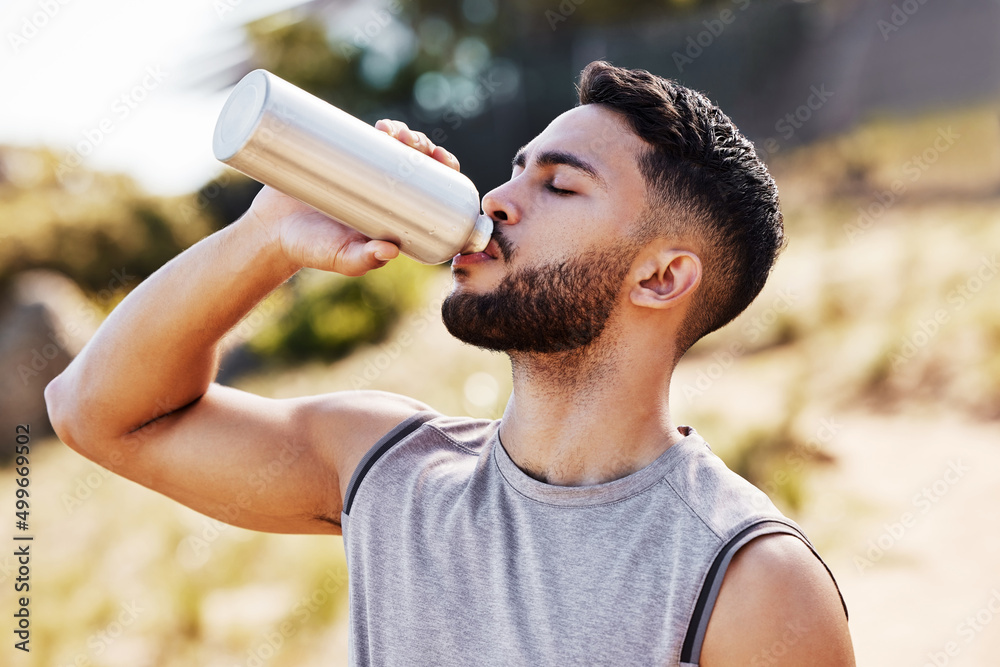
(457, 557)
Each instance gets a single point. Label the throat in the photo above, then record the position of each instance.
(576, 373)
(586, 416)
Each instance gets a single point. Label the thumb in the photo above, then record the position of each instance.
(382, 251)
(359, 258)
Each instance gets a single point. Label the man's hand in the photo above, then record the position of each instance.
(308, 238)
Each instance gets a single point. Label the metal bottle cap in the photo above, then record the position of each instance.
(239, 116)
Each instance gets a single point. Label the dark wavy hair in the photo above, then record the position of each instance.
(703, 179)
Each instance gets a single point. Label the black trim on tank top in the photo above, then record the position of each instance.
(387, 442)
(695, 637)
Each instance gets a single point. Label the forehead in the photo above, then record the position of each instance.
(598, 136)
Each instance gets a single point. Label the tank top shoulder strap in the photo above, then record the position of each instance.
(695, 636)
(379, 449)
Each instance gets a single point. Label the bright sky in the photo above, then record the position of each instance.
(113, 79)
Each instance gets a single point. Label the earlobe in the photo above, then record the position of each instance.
(665, 277)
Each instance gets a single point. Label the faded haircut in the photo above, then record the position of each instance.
(704, 180)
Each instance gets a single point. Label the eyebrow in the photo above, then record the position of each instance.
(553, 158)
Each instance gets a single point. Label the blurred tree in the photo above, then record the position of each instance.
(371, 56)
(88, 225)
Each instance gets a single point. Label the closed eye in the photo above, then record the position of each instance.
(558, 191)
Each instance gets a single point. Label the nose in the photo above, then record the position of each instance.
(499, 204)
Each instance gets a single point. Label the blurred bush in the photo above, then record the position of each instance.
(330, 315)
(97, 228)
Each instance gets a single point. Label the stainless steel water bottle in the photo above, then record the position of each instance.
(295, 142)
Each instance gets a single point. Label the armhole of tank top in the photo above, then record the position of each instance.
(691, 649)
(378, 450)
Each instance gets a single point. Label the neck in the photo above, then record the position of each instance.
(587, 417)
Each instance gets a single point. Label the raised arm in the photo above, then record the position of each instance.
(140, 399)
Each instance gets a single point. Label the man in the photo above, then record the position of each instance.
(581, 528)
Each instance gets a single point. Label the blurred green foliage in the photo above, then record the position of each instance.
(330, 315)
(379, 56)
(94, 227)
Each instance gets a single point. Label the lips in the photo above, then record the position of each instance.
(492, 249)
(490, 253)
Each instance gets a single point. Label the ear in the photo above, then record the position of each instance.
(662, 276)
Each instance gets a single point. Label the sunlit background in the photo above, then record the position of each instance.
(861, 391)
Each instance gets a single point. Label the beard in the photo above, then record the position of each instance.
(558, 307)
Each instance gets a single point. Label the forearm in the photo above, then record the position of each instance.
(158, 350)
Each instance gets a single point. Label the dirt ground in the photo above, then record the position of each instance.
(908, 520)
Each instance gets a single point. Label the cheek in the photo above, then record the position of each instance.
(561, 227)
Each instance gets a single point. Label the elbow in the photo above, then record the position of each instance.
(63, 413)
(74, 424)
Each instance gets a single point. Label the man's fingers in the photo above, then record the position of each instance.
(413, 138)
(445, 157)
(387, 126)
(418, 140)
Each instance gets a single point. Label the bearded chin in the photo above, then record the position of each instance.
(548, 309)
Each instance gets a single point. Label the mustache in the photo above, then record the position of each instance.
(506, 247)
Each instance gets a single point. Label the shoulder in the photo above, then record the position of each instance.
(721, 499)
(345, 425)
(375, 407)
(777, 602)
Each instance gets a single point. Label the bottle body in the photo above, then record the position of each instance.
(282, 136)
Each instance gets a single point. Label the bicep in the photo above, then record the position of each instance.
(777, 605)
(273, 465)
